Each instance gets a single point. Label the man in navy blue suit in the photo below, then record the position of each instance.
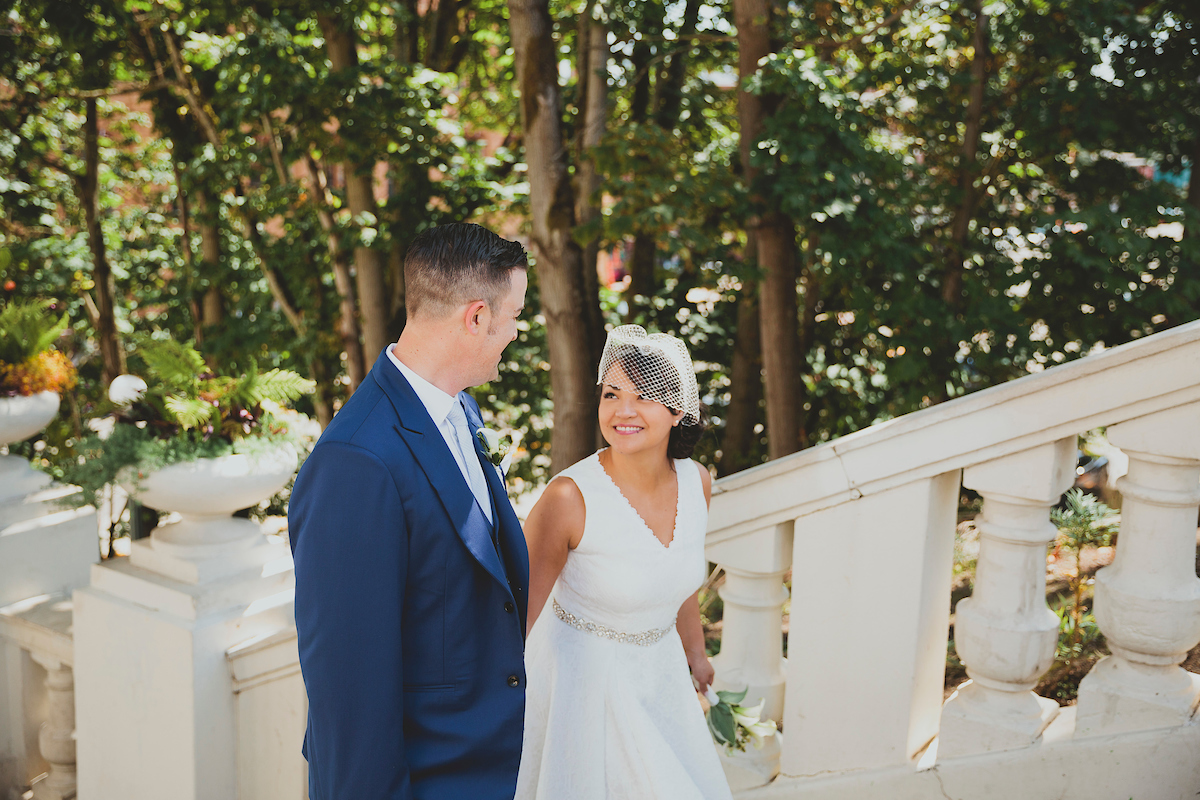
(411, 568)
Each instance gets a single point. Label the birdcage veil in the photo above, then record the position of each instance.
(655, 365)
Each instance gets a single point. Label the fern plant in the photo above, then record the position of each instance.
(185, 412)
(29, 364)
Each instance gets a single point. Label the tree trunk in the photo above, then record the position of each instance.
(668, 92)
(775, 240)
(370, 264)
(322, 397)
(342, 281)
(593, 77)
(780, 342)
(967, 166)
(552, 212)
(642, 254)
(1190, 231)
(406, 46)
(185, 244)
(810, 289)
(212, 309)
(111, 352)
(397, 314)
(745, 390)
(642, 283)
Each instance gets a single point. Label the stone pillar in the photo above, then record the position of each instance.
(1148, 601)
(751, 656)
(867, 637)
(47, 548)
(156, 709)
(56, 740)
(1004, 632)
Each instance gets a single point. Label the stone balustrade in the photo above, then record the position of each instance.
(1148, 602)
(870, 521)
(40, 628)
(47, 546)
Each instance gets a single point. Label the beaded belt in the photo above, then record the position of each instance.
(645, 638)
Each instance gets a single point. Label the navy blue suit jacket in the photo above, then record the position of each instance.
(411, 618)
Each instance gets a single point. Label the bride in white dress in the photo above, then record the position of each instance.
(616, 552)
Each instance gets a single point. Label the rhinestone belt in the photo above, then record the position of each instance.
(645, 638)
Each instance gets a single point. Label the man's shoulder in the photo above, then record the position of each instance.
(361, 417)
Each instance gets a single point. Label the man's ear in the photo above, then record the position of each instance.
(477, 317)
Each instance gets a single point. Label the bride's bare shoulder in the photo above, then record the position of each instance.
(559, 511)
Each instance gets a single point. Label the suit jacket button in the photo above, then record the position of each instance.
(514, 681)
(509, 607)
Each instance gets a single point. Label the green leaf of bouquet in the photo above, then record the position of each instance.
(733, 698)
(720, 718)
(716, 735)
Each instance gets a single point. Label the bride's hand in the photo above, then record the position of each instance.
(702, 670)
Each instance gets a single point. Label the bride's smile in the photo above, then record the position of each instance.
(630, 420)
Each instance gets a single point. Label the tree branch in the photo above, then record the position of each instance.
(118, 89)
(832, 46)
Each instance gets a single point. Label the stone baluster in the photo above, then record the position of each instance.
(1004, 632)
(751, 654)
(1148, 602)
(56, 739)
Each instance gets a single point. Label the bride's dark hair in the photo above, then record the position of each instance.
(639, 365)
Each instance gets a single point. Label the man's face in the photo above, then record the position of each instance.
(502, 326)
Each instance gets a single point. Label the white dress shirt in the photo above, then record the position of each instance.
(439, 405)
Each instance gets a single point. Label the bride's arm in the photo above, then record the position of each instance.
(554, 528)
(691, 630)
(692, 634)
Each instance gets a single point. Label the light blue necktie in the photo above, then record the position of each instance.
(466, 451)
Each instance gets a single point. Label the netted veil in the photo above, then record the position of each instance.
(655, 365)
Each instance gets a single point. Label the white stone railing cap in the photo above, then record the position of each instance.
(1147, 375)
(42, 626)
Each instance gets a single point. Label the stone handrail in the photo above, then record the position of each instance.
(1135, 379)
(866, 523)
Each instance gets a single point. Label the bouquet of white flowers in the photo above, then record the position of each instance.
(734, 725)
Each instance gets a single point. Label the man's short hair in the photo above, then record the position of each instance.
(450, 265)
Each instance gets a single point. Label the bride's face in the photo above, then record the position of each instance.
(629, 422)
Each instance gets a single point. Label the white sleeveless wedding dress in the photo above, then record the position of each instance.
(610, 710)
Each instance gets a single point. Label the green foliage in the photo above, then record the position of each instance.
(184, 394)
(1075, 636)
(1084, 521)
(28, 328)
(186, 412)
(1074, 201)
(720, 718)
(176, 367)
(130, 452)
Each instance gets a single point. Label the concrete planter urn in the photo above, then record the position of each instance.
(205, 493)
(20, 418)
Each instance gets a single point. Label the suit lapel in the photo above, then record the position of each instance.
(428, 447)
(510, 536)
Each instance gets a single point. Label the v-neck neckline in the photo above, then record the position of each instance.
(636, 513)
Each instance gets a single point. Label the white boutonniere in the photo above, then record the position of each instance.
(497, 446)
(734, 725)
